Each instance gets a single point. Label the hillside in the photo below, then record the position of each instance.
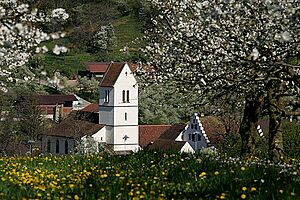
(118, 26)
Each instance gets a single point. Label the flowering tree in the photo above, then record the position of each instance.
(20, 36)
(246, 48)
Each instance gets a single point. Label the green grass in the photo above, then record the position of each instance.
(127, 29)
(146, 175)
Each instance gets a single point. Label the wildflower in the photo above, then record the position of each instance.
(280, 191)
(253, 189)
(293, 194)
(217, 173)
(243, 196)
(244, 188)
(243, 168)
(76, 197)
(202, 174)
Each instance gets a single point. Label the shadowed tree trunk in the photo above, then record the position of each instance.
(276, 112)
(247, 131)
(248, 127)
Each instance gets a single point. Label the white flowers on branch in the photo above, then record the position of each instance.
(230, 41)
(20, 35)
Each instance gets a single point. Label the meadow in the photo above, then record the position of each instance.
(147, 175)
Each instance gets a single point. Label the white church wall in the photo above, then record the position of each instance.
(106, 115)
(104, 101)
(126, 115)
(126, 138)
(126, 82)
(100, 136)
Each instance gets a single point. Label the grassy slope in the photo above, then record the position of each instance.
(127, 29)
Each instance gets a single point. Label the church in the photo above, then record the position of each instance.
(113, 123)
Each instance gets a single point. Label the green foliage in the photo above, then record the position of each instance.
(163, 104)
(291, 139)
(146, 175)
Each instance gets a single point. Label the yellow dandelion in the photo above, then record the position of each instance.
(253, 189)
(202, 174)
(244, 188)
(243, 196)
(243, 168)
(76, 197)
(217, 173)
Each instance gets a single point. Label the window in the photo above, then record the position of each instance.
(199, 137)
(126, 73)
(190, 136)
(128, 96)
(106, 98)
(125, 116)
(66, 147)
(48, 146)
(57, 146)
(123, 96)
(193, 137)
(192, 126)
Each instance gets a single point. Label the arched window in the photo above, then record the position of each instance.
(192, 126)
(49, 146)
(57, 146)
(123, 95)
(127, 95)
(66, 147)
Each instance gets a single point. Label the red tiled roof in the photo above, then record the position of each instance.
(112, 74)
(54, 99)
(97, 66)
(150, 133)
(173, 132)
(74, 127)
(93, 107)
(166, 145)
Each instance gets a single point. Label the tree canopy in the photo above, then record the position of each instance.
(246, 48)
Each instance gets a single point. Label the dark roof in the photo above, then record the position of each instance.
(93, 107)
(97, 66)
(74, 127)
(173, 132)
(112, 74)
(150, 133)
(54, 99)
(166, 145)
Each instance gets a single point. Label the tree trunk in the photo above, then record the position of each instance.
(276, 112)
(248, 128)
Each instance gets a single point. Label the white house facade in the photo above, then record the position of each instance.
(194, 134)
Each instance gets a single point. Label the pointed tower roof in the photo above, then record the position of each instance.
(112, 74)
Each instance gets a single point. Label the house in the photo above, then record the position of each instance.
(188, 137)
(95, 70)
(55, 106)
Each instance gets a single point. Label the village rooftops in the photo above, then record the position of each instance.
(97, 66)
(54, 99)
(74, 126)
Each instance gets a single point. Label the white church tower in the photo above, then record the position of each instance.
(119, 108)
